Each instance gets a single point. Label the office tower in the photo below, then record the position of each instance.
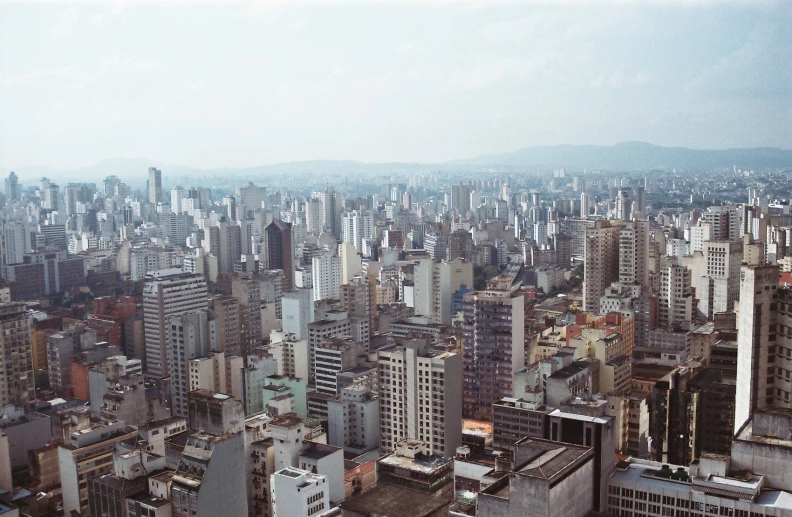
(624, 205)
(460, 245)
(460, 198)
(314, 214)
(298, 312)
(70, 199)
(16, 384)
(12, 190)
(420, 397)
(15, 242)
(331, 212)
(634, 254)
(279, 251)
(435, 284)
(227, 308)
(176, 198)
(675, 302)
(326, 272)
(229, 245)
(601, 262)
(725, 222)
(353, 420)
(436, 244)
(357, 226)
(492, 343)
(758, 351)
(359, 298)
(585, 205)
(299, 492)
(154, 185)
(51, 199)
(719, 289)
(246, 288)
(330, 358)
(191, 335)
(167, 293)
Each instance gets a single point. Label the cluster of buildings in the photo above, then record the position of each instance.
(485, 351)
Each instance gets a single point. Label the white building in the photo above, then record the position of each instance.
(327, 273)
(353, 420)
(297, 492)
(420, 397)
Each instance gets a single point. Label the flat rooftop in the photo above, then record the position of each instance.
(393, 501)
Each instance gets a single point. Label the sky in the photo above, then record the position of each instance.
(234, 84)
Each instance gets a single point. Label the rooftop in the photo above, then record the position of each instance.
(393, 501)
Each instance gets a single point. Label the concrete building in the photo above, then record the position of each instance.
(190, 335)
(547, 479)
(154, 186)
(514, 419)
(493, 344)
(420, 397)
(710, 487)
(211, 477)
(332, 357)
(227, 308)
(434, 286)
(757, 328)
(167, 293)
(353, 420)
(675, 301)
(279, 250)
(17, 383)
(326, 274)
(87, 455)
(299, 492)
(298, 312)
(601, 262)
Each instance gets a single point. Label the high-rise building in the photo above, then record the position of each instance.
(492, 344)
(435, 284)
(358, 226)
(154, 185)
(359, 298)
(420, 397)
(634, 254)
(460, 245)
(227, 308)
(167, 293)
(601, 262)
(246, 288)
(460, 198)
(16, 383)
(12, 187)
(624, 205)
(758, 350)
(675, 302)
(177, 195)
(279, 251)
(190, 335)
(719, 289)
(326, 273)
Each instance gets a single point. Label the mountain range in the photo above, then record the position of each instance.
(621, 157)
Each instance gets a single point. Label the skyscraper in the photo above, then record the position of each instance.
(492, 344)
(757, 345)
(16, 352)
(190, 335)
(154, 185)
(675, 303)
(12, 187)
(601, 262)
(420, 397)
(167, 293)
(279, 250)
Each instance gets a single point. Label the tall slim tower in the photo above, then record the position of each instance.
(167, 293)
(601, 262)
(756, 341)
(16, 352)
(492, 345)
(155, 185)
(190, 335)
(12, 187)
(279, 250)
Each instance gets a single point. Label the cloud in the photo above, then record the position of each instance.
(760, 67)
(66, 23)
(410, 48)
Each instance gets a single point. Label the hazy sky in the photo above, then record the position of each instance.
(213, 84)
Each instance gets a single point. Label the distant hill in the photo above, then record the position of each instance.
(622, 157)
(633, 156)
